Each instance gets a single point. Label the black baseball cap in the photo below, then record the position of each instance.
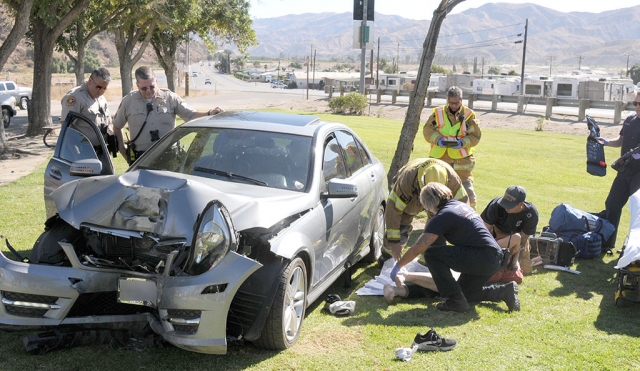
(512, 197)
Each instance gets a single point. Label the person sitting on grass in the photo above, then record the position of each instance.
(512, 220)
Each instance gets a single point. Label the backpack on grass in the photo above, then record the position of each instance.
(586, 231)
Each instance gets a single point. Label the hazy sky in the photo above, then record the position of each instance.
(419, 9)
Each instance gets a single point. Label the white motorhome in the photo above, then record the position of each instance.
(483, 86)
(507, 86)
(538, 86)
(602, 90)
(567, 86)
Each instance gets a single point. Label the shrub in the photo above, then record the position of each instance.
(350, 104)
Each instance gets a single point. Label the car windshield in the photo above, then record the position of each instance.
(262, 158)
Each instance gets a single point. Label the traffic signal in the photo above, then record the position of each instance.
(357, 10)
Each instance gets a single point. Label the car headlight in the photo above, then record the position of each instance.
(213, 239)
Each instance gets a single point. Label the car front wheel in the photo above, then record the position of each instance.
(24, 102)
(377, 237)
(284, 321)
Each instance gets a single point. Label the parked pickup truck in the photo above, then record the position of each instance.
(22, 94)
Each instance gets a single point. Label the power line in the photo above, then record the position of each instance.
(455, 34)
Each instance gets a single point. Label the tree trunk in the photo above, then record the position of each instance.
(80, 64)
(3, 143)
(170, 72)
(82, 48)
(23, 11)
(126, 38)
(166, 49)
(40, 109)
(419, 93)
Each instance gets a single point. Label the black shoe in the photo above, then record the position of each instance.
(456, 303)
(509, 295)
(432, 341)
(383, 258)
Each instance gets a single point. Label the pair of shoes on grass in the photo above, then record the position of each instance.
(335, 305)
(428, 342)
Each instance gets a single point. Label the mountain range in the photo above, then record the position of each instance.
(607, 39)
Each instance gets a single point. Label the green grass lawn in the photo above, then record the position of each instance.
(567, 321)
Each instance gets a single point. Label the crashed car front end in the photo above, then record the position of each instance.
(105, 277)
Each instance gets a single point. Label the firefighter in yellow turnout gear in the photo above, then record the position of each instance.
(453, 133)
(404, 200)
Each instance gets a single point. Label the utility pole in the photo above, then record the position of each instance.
(551, 58)
(308, 63)
(398, 59)
(524, 54)
(579, 63)
(371, 64)
(628, 55)
(378, 67)
(314, 69)
(363, 51)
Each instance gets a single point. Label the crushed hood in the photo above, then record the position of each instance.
(168, 205)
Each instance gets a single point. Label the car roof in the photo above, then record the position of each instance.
(268, 121)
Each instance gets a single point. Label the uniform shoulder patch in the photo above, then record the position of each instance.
(71, 101)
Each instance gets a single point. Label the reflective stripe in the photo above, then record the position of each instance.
(400, 205)
(465, 167)
(446, 130)
(393, 234)
(462, 193)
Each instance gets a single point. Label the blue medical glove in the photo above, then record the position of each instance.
(636, 156)
(459, 145)
(602, 141)
(441, 143)
(394, 272)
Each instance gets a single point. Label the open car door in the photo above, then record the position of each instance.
(75, 157)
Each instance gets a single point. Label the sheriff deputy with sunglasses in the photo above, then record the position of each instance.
(627, 181)
(88, 100)
(151, 113)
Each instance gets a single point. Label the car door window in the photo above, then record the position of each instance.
(333, 166)
(2, 87)
(75, 146)
(11, 86)
(350, 152)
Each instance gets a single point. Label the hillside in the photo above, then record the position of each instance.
(599, 39)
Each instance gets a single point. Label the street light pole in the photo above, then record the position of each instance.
(363, 51)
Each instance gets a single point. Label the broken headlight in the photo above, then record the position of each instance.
(212, 241)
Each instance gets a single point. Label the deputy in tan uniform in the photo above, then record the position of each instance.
(88, 100)
(453, 133)
(153, 108)
(404, 200)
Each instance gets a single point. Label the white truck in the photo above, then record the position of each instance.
(22, 94)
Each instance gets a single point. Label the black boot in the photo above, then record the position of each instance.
(497, 293)
(509, 294)
(455, 303)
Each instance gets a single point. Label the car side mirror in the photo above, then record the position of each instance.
(86, 167)
(340, 188)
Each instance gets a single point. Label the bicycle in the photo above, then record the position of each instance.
(50, 135)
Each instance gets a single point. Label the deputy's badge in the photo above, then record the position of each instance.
(71, 101)
(162, 103)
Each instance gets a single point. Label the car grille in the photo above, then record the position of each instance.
(189, 329)
(243, 312)
(103, 303)
(29, 298)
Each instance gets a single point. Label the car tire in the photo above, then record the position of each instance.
(285, 318)
(377, 237)
(24, 102)
(6, 118)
